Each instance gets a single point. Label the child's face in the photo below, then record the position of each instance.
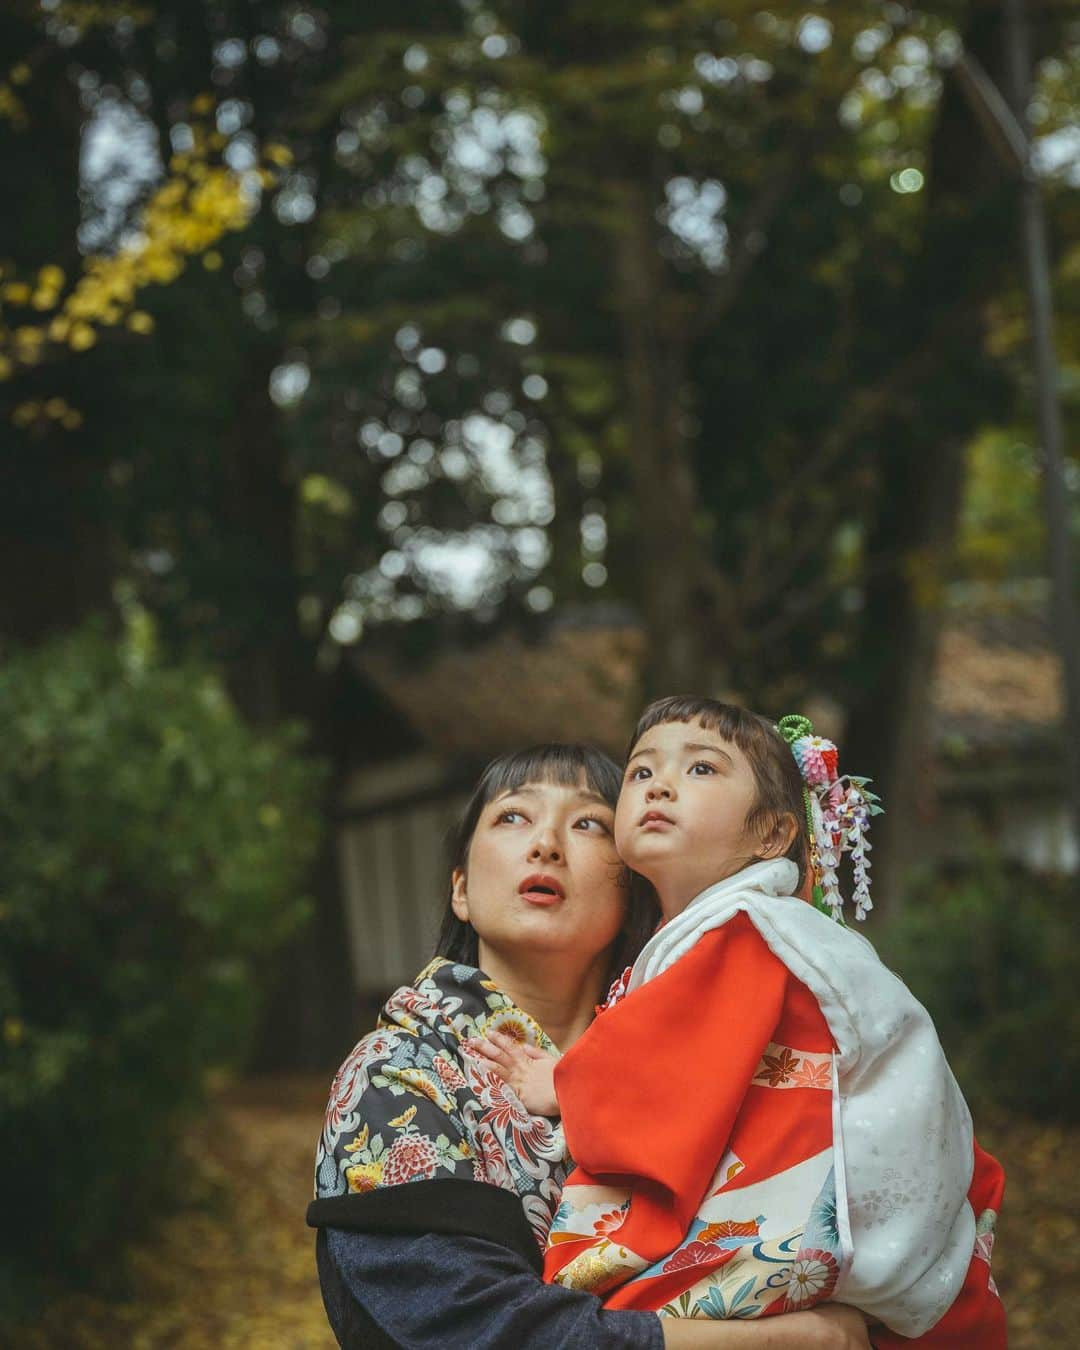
(681, 816)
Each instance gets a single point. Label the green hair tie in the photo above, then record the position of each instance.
(793, 726)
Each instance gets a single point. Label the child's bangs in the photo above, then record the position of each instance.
(743, 728)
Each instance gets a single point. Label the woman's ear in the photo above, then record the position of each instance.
(459, 901)
(779, 837)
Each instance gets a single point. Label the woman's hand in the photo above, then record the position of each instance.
(832, 1326)
(529, 1071)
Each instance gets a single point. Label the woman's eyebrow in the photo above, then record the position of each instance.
(585, 794)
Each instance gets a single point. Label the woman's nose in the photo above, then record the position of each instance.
(546, 846)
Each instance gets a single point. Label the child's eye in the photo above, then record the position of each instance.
(704, 767)
(638, 774)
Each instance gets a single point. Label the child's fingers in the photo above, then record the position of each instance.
(490, 1051)
(516, 1049)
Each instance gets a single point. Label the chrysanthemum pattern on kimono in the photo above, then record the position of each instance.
(410, 1104)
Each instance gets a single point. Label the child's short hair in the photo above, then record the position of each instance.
(776, 774)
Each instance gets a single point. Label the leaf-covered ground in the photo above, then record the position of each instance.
(235, 1269)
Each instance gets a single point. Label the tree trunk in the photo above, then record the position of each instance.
(675, 575)
(57, 551)
(274, 677)
(910, 548)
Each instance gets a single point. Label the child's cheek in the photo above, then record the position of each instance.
(622, 833)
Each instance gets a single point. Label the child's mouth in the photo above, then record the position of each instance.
(655, 820)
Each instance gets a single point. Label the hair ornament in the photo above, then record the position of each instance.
(838, 812)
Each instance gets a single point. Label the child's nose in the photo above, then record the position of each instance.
(658, 788)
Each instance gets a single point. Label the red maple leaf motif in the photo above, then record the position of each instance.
(778, 1068)
(813, 1075)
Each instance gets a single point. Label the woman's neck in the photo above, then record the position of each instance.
(560, 994)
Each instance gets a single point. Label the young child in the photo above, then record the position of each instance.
(761, 1115)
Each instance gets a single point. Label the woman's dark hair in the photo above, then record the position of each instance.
(776, 775)
(566, 765)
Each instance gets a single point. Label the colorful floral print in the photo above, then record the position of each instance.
(984, 1242)
(813, 1278)
(409, 1103)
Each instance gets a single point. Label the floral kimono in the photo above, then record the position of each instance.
(409, 1106)
(765, 1120)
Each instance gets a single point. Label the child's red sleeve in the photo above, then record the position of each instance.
(650, 1093)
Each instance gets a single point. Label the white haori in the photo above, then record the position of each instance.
(902, 1132)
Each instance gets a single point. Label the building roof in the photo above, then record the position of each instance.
(997, 686)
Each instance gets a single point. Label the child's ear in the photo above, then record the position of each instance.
(459, 901)
(780, 836)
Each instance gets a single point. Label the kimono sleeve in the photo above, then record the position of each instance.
(650, 1093)
(395, 1115)
(441, 1292)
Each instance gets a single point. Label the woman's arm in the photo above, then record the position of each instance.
(438, 1292)
(444, 1292)
(830, 1327)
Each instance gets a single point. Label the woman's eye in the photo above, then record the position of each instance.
(592, 824)
(704, 768)
(506, 816)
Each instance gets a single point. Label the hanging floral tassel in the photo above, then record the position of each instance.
(838, 812)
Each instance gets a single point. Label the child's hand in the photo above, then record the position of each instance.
(529, 1071)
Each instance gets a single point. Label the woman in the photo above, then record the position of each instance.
(539, 919)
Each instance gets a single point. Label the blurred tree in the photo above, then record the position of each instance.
(619, 302)
(174, 483)
(157, 848)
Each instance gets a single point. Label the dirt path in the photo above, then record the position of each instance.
(236, 1270)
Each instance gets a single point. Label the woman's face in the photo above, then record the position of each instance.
(542, 873)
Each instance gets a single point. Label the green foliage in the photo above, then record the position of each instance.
(153, 846)
(992, 951)
(1001, 529)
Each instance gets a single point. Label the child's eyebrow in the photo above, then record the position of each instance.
(698, 747)
(638, 753)
(695, 747)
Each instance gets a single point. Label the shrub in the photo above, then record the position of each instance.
(992, 951)
(153, 846)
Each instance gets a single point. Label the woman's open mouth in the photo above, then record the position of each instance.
(541, 889)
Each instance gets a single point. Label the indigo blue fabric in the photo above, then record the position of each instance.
(440, 1292)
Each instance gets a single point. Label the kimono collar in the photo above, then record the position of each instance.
(775, 877)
